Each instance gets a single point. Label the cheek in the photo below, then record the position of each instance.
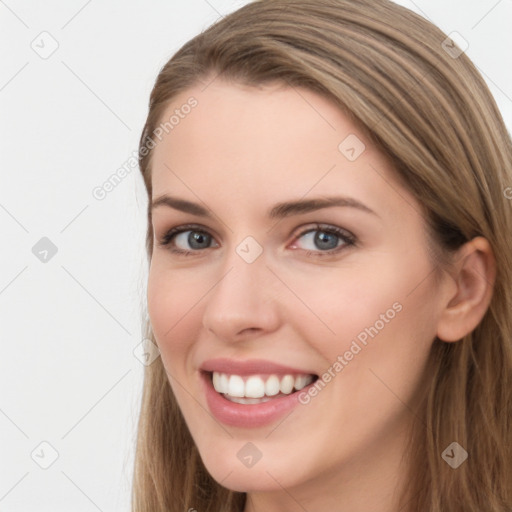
(380, 308)
(171, 308)
(339, 304)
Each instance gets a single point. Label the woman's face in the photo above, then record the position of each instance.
(273, 287)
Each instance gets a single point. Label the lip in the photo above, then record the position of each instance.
(250, 367)
(248, 415)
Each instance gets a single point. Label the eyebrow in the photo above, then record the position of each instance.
(278, 211)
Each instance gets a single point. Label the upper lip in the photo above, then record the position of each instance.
(249, 367)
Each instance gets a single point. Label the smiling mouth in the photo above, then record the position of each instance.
(258, 388)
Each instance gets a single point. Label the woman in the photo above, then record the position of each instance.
(330, 283)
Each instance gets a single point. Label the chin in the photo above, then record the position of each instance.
(271, 474)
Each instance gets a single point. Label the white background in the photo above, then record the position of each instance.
(69, 326)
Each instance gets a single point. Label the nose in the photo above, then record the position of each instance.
(244, 302)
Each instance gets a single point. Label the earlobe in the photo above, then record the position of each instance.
(474, 275)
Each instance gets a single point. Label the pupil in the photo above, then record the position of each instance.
(323, 237)
(196, 238)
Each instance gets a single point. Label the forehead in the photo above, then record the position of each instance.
(233, 116)
(256, 143)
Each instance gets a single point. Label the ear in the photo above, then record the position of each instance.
(474, 272)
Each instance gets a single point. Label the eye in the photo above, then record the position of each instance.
(325, 240)
(320, 240)
(186, 239)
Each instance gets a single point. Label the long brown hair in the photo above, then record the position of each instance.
(424, 104)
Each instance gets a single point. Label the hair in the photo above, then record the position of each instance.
(430, 112)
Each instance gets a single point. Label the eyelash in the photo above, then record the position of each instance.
(347, 238)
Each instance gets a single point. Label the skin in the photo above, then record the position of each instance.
(240, 151)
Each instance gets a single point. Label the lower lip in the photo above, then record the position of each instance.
(248, 415)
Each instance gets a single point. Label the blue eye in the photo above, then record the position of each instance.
(324, 240)
(195, 237)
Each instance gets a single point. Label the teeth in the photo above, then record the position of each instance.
(216, 381)
(256, 389)
(236, 386)
(286, 385)
(249, 400)
(301, 381)
(224, 381)
(272, 386)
